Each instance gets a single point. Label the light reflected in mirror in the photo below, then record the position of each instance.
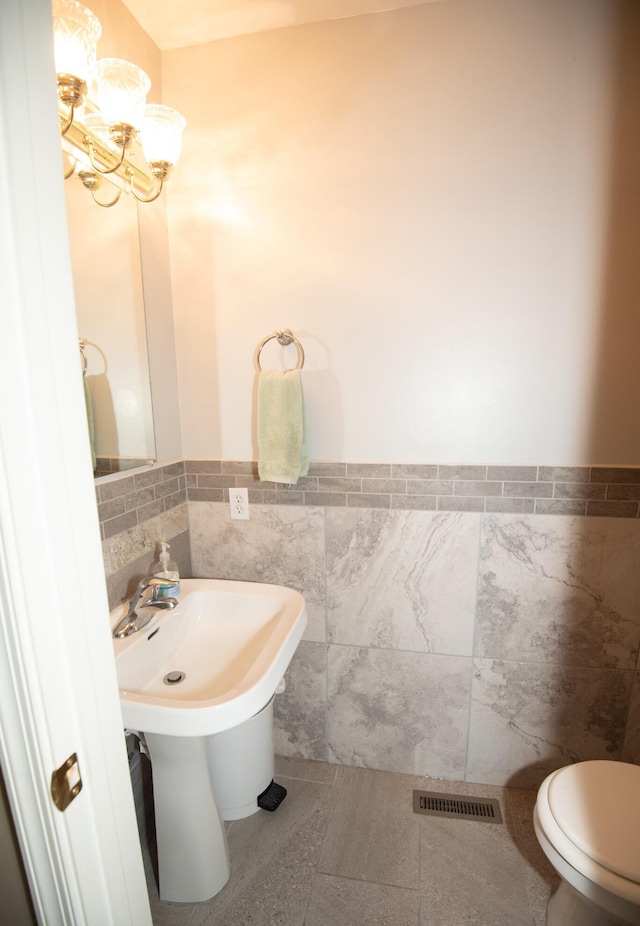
(107, 277)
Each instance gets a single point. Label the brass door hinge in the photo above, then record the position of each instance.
(66, 783)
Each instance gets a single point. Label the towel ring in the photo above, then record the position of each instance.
(83, 343)
(285, 337)
(83, 354)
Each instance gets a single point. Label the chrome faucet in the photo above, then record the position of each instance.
(134, 621)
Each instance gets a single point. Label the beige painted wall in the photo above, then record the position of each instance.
(123, 37)
(443, 203)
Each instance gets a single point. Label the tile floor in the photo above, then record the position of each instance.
(346, 849)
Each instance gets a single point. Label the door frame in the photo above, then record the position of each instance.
(58, 688)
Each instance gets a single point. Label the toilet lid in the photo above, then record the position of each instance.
(597, 806)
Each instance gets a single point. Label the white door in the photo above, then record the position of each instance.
(58, 692)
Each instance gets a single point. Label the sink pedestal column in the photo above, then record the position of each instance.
(193, 856)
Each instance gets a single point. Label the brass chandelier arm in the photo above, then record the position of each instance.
(102, 170)
(68, 120)
(160, 170)
(71, 93)
(93, 182)
(142, 199)
(106, 205)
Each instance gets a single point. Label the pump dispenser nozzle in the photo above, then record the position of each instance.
(165, 568)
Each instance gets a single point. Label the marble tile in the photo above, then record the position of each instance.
(475, 487)
(300, 724)
(121, 584)
(513, 473)
(174, 521)
(631, 751)
(414, 470)
(349, 853)
(356, 500)
(342, 902)
(564, 473)
(307, 769)
(540, 876)
(369, 470)
(463, 471)
(128, 545)
(510, 505)
(560, 506)
(416, 502)
(527, 720)
(372, 833)
(621, 492)
(621, 474)
(238, 467)
(540, 879)
(619, 509)
(279, 543)
(402, 712)
(461, 504)
(327, 469)
(274, 857)
(470, 873)
(339, 484)
(402, 580)
(203, 466)
(559, 589)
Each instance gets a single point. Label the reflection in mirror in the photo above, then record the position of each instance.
(107, 277)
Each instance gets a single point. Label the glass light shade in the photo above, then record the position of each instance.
(121, 89)
(161, 133)
(94, 123)
(75, 35)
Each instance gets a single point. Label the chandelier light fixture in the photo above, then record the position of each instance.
(105, 123)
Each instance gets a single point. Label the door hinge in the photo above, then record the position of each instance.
(66, 783)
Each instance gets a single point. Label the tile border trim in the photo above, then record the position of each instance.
(587, 491)
(130, 500)
(590, 491)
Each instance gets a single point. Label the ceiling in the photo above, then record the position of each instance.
(176, 23)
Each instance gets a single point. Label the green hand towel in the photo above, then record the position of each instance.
(90, 422)
(282, 445)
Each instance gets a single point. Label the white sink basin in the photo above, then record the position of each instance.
(232, 640)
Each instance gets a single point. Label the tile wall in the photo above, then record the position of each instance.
(486, 645)
(456, 629)
(135, 512)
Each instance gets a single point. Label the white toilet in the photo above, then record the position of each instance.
(587, 820)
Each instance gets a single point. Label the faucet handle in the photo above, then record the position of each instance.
(157, 601)
(149, 583)
(154, 582)
(134, 621)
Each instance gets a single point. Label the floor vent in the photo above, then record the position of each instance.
(434, 804)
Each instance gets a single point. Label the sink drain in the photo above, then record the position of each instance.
(174, 678)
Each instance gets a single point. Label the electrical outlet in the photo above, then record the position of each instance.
(239, 504)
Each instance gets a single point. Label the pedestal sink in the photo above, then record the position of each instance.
(194, 672)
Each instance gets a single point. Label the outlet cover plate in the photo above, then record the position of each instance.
(239, 504)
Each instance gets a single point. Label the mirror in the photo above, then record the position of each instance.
(107, 277)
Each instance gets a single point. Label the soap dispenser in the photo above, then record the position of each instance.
(165, 568)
